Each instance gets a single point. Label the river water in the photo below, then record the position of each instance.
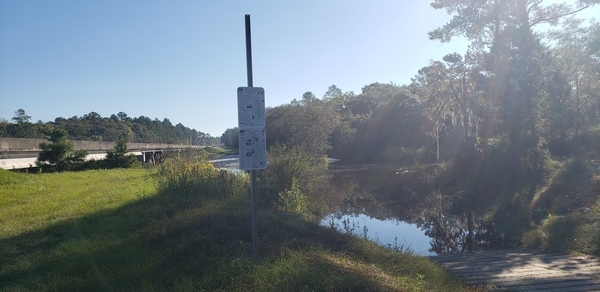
(391, 233)
(397, 208)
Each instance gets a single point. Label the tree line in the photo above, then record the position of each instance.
(498, 117)
(515, 89)
(59, 154)
(94, 127)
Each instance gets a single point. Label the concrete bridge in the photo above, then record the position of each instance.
(16, 153)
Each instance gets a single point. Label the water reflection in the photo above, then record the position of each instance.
(416, 215)
(391, 233)
(450, 234)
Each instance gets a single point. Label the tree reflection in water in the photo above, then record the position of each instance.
(406, 195)
(449, 233)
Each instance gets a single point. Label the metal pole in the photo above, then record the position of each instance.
(253, 193)
(249, 51)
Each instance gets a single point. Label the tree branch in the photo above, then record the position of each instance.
(549, 19)
(538, 2)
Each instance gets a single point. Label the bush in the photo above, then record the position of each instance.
(189, 177)
(288, 163)
(293, 200)
(297, 179)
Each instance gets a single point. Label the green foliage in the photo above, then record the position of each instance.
(230, 137)
(3, 126)
(568, 187)
(566, 211)
(22, 127)
(288, 163)
(402, 111)
(452, 96)
(307, 124)
(188, 177)
(94, 127)
(293, 200)
(59, 154)
(372, 126)
(576, 232)
(20, 117)
(405, 155)
(111, 230)
(119, 157)
(213, 152)
(496, 115)
(297, 178)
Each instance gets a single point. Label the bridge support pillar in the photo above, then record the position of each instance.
(152, 156)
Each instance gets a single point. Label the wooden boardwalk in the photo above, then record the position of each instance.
(514, 270)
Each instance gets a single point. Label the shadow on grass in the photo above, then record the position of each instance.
(573, 233)
(82, 253)
(170, 242)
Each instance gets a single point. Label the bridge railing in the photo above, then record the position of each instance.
(20, 145)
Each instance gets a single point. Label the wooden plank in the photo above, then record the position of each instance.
(538, 281)
(565, 286)
(516, 276)
(523, 270)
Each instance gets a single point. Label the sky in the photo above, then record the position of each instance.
(184, 60)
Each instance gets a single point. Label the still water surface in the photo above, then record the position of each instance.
(391, 233)
(395, 207)
(398, 207)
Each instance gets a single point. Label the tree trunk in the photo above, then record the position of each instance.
(470, 229)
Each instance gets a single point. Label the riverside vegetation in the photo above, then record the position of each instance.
(119, 230)
(511, 126)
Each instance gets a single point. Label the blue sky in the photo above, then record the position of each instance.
(183, 60)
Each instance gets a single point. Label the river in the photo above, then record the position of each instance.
(391, 233)
(397, 207)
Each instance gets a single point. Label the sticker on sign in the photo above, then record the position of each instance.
(253, 149)
(251, 107)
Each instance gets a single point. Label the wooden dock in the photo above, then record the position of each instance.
(514, 270)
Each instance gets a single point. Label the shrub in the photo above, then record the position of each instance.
(288, 163)
(293, 200)
(198, 177)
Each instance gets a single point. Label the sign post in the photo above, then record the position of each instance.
(253, 141)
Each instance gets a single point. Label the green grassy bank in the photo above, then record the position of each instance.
(566, 210)
(118, 230)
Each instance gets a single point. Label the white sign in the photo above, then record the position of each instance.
(251, 107)
(253, 149)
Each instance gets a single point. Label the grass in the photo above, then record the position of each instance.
(116, 230)
(566, 214)
(576, 230)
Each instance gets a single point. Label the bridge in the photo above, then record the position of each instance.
(17, 153)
